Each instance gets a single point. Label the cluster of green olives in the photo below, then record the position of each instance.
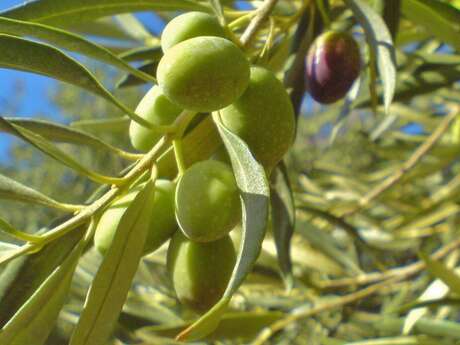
(202, 70)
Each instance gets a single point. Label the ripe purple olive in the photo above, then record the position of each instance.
(333, 64)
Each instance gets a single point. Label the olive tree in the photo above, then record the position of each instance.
(214, 210)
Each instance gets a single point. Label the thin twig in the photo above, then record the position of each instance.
(413, 160)
(262, 14)
(349, 229)
(405, 272)
(266, 333)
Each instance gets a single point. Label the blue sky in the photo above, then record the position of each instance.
(33, 89)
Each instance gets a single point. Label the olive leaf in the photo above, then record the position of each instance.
(22, 276)
(442, 272)
(116, 124)
(112, 282)
(144, 53)
(440, 19)
(255, 193)
(17, 234)
(234, 325)
(132, 80)
(33, 322)
(381, 43)
(81, 11)
(24, 55)
(46, 147)
(13, 190)
(136, 29)
(105, 27)
(419, 83)
(58, 133)
(69, 41)
(283, 219)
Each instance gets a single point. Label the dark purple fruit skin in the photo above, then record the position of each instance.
(333, 64)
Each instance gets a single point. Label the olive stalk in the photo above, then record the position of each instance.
(179, 155)
(86, 213)
(262, 14)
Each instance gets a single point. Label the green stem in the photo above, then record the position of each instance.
(144, 163)
(179, 154)
(323, 13)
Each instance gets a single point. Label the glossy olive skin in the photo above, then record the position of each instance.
(207, 201)
(263, 117)
(200, 272)
(333, 64)
(156, 109)
(190, 25)
(162, 226)
(203, 73)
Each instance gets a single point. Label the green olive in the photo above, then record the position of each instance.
(207, 201)
(203, 73)
(200, 272)
(263, 117)
(189, 25)
(162, 226)
(156, 109)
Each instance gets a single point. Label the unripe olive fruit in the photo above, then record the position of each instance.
(156, 109)
(162, 225)
(333, 64)
(207, 201)
(189, 25)
(200, 272)
(263, 117)
(203, 73)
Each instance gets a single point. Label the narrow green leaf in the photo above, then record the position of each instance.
(22, 276)
(437, 289)
(419, 83)
(283, 218)
(35, 319)
(112, 282)
(69, 41)
(381, 43)
(438, 59)
(24, 55)
(218, 10)
(441, 271)
(17, 234)
(235, 325)
(255, 194)
(64, 13)
(412, 340)
(439, 19)
(46, 147)
(132, 80)
(58, 133)
(116, 124)
(144, 53)
(134, 27)
(9, 255)
(10, 189)
(105, 27)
